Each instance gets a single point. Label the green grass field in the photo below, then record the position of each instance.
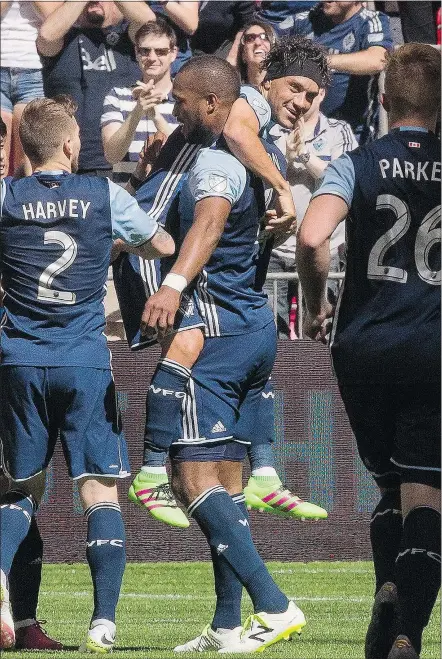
(163, 604)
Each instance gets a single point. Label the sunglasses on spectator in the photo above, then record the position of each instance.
(159, 52)
(250, 37)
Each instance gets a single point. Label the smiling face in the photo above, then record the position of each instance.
(290, 98)
(255, 45)
(155, 56)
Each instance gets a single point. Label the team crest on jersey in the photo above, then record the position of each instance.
(187, 306)
(414, 145)
(217, 183)
(348, 42)
(318, 143)
(259, 106)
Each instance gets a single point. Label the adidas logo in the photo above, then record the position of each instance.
(221, 548)
(218, 427)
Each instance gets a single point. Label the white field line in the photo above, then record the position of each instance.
(175, 596)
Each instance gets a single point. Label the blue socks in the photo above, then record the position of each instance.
(228, 533)
(260, 455)
(228, 587)
(25, 575)
(16, 512)
(163, 408)
(106, 555)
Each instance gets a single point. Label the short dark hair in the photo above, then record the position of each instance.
(412, 80)
(213, 75)
(43, 126)
(3, 129)
(158, 28)
(298, 50)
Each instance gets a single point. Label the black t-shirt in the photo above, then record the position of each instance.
(91, 62)
(218, 24)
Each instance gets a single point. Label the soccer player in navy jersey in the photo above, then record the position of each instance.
(284, 96)
(56, 234)
(220, 207)
(385, 341)
(25, 575)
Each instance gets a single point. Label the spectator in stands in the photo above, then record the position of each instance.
(281, 14)
(130, 115)
(87, 51)
(256, 40)
(220, 28)
(21, 77)
(182, 16)
(315, 141)
(357, 40)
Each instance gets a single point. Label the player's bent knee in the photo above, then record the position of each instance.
(97, 490)
(414, 495)
(184, 347)
(190, 479)
(34, 486)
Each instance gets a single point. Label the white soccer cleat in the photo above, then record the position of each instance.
(211, 640)
(100, 637)
(264, 629)
(7, 633)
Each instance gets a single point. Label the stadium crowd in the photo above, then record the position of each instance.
(122, 94)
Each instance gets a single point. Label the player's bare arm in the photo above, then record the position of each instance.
(313, 259)
(159, 246)
(241, 134)
(210, 217)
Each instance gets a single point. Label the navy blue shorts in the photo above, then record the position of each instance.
(135, 280)
(229, 395)
(397, 427)
(77, 404)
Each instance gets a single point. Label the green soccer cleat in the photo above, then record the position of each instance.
(153, 493)
(267, 494)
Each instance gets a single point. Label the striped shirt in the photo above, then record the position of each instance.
(117, 106)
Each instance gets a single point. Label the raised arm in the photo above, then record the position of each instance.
(183, 13)
(46, 7)
(51, 35)
(241, 134)
(365, 62)
(136, 13)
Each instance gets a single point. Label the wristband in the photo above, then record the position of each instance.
(177, 282)
(135, 182)
(303, 158)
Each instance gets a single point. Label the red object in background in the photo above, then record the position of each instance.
(293, 318)
(438, 19)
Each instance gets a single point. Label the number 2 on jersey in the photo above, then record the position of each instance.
(428, 235)
(45, 290)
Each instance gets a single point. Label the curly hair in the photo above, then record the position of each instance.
(298, 50)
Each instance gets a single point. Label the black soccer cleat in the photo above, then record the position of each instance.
(402, 649)
(383, 627)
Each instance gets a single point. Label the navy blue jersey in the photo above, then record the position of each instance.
(352, 98)
(387, 323)
(225, 290)
(56, 233)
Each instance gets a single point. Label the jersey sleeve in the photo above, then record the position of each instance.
(217, 174)
(376, 31)
(343, 140)
(339, 180)
(129, 221)
(111, 110)
(3, 192)
(258, 104)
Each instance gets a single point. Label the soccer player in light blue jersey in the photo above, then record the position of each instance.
(56, 235)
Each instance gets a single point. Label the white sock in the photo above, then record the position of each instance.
(264, 471)
(154, 470)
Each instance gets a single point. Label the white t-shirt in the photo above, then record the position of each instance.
(330, 139)
(18, 33)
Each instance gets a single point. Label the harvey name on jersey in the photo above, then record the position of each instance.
(47, 210)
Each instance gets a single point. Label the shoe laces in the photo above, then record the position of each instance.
(39, 624)
(164, 491)
(248, 624)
